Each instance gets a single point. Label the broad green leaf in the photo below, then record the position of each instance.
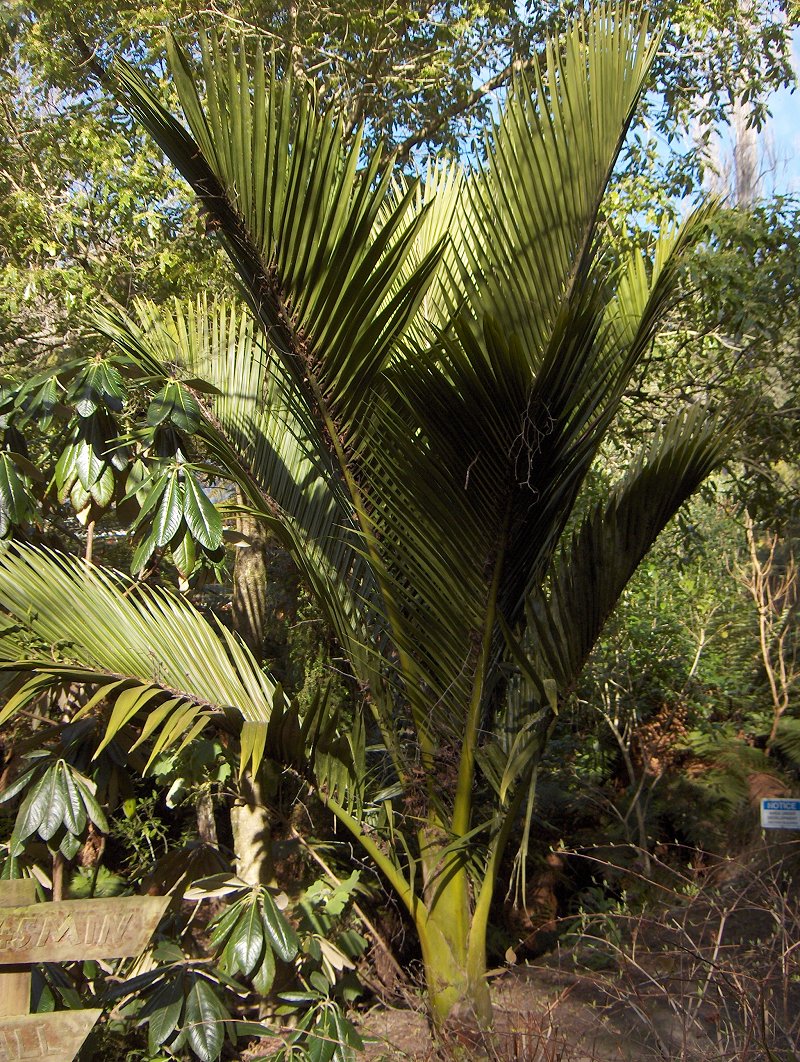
(202, 517)
(170, 512)
(16, 786)
(162, 1012)
(89, 460)
(102, 490)
(264, 974)
(346, 1036)
(143, 980)
(93, 809)
(321, 1043)
(66, 471)
(42, 810)
(85, 395)
(184, 556)
(111, 386)
(175, 404)
(160, 407)
(69, 845)
(81, 500)
(299, 998)
(185, 413)
(247, 939)
(74, 808)
(147, 490)
(205, 1017)
(320, 982)
(279, 932)
(202, 386)
(15, 497)
(26, 466)
(44, 402)
(221, 926)
(142, 554)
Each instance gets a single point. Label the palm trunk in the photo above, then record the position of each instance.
(455, 974)
(453, 944)
(452, 928)
(443, 925)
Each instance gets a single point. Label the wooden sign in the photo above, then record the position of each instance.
(115, 928)
(54, 1037)
(56, 932)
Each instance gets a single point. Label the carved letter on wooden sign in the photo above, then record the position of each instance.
(114, 928)
(54, 1037)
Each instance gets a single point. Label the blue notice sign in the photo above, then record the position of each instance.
(780, 814)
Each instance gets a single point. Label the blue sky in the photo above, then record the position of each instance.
(782, 141)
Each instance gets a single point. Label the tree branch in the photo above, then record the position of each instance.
(516, 66)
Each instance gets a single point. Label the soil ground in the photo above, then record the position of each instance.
(710, 977)
(547, 1014)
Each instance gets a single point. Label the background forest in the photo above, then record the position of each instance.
(636, 800)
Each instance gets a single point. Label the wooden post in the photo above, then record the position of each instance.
(15, 981)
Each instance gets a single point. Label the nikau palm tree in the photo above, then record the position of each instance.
(431, 373)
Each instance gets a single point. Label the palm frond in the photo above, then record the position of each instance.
(318, 240)
(534, 208)
(566, 617)
(426, 409)
(591, 572)
(149, 651)
(567, 613)
(256, 429)
(480, 460)
(439, 194)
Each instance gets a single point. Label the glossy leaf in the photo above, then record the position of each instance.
(247, 939)
(74, 817)
(201, 515)
(17, 504)
(102, 490)
(43, 808)
(65, 470)
(162, 1012)
(264, 974)
(205, 1018)
(278, 930)
(176, 404)
(169, 514)
(184, 556)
